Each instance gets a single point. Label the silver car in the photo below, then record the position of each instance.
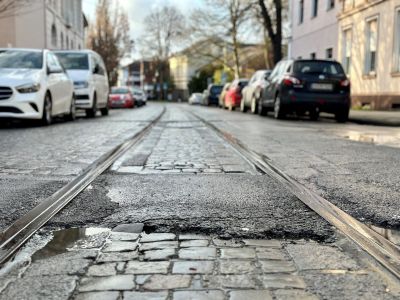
(252, 93)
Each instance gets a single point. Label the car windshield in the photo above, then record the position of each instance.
(74, 61)
(217, 89)
(119, 90)
(242, 84)
(317, 67)
(17, 59)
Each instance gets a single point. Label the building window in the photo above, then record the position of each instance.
(397, 43)
(346, 50)
(313, 55)
(54, 35)
(371, 45)
(329, 53)
(301, 11)
(330, 4)
(66, 43)
(314, 8)
(62, 40)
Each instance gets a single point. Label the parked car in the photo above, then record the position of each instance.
(87, 70)
(253, 91)
(196, 98)
(234, 93)
(34, 85)
(121, 97)
(311, 86)
(221, 99)
(211, 95)
(140, 96)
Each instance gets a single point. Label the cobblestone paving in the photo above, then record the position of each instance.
(128, 265)
(181, 144)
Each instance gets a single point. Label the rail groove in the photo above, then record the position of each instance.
(12, 238)
(378, 247)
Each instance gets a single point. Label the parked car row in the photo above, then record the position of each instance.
(42, 84)
(126, 97)
(298, 86)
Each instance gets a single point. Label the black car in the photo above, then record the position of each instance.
(211, 95)
(311, 86)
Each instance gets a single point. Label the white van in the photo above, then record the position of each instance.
(88, 72)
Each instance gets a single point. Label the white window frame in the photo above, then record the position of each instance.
(326, 53)
(314, 8)
(396, 41)
(346, 65)
(367, 59)
(301, 12)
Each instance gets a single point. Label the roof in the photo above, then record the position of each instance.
(25, 49)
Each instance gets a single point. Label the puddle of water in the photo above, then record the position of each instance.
(64, 239)
(389, 234)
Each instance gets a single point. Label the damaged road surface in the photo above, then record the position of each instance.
(184, 215)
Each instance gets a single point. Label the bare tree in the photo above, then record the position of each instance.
(221, 24)
(10, 7)
(164, 30)
(271, 13)
(110, 37)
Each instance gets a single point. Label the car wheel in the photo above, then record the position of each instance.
(105, 110)
(47, 118)
(342, 116)
(278, 111)
(72, 110)
(243, 107)
(254, 105)
(262, 111)
(91, 112)
(314, 114)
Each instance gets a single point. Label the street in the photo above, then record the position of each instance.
(183, 183)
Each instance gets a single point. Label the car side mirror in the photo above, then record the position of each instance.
(96, 69)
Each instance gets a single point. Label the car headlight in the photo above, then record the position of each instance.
(81, 84)
(28, 88)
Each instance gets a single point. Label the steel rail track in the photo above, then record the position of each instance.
(12, 238)
(378, 247)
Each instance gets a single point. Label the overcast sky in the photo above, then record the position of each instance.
(138, 9)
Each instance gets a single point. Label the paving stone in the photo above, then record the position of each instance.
(57, 266)
(263, 243)
(158, 245)
(237, 267)
(145, 295)
(124, 236)
(197, 253)
(228, 253)
(227, 243)
(111, 283)
(294, 294)
(130, 169)
(117, 256)
(199, 295)
(270, 253)
(98, 296)
(102, 270)
(194, 243)
(164, 282)
(251, 295)
(281, 281)
(121, 266)
(132, 228)
(141, 279)
(160, 254)
(156, 237)
(228, 281)
(275, 266)
(211, 171)
(40, 287)
(184, 237)
(193, 267)
(120, 246)
(312, 256)
(138, 267)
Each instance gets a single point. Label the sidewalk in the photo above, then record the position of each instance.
(371, 117)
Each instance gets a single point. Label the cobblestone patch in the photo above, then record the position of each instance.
(230, 270)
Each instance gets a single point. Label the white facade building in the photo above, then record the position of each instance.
(314, 28)
(52, 24)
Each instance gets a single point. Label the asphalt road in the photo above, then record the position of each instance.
(185, 178)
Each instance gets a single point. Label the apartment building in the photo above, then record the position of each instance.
(369, 49)
(52, 24)
(314, 28)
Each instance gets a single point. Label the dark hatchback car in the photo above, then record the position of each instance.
(211, 95)
(311, 86)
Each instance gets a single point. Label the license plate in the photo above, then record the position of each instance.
(322, 86)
